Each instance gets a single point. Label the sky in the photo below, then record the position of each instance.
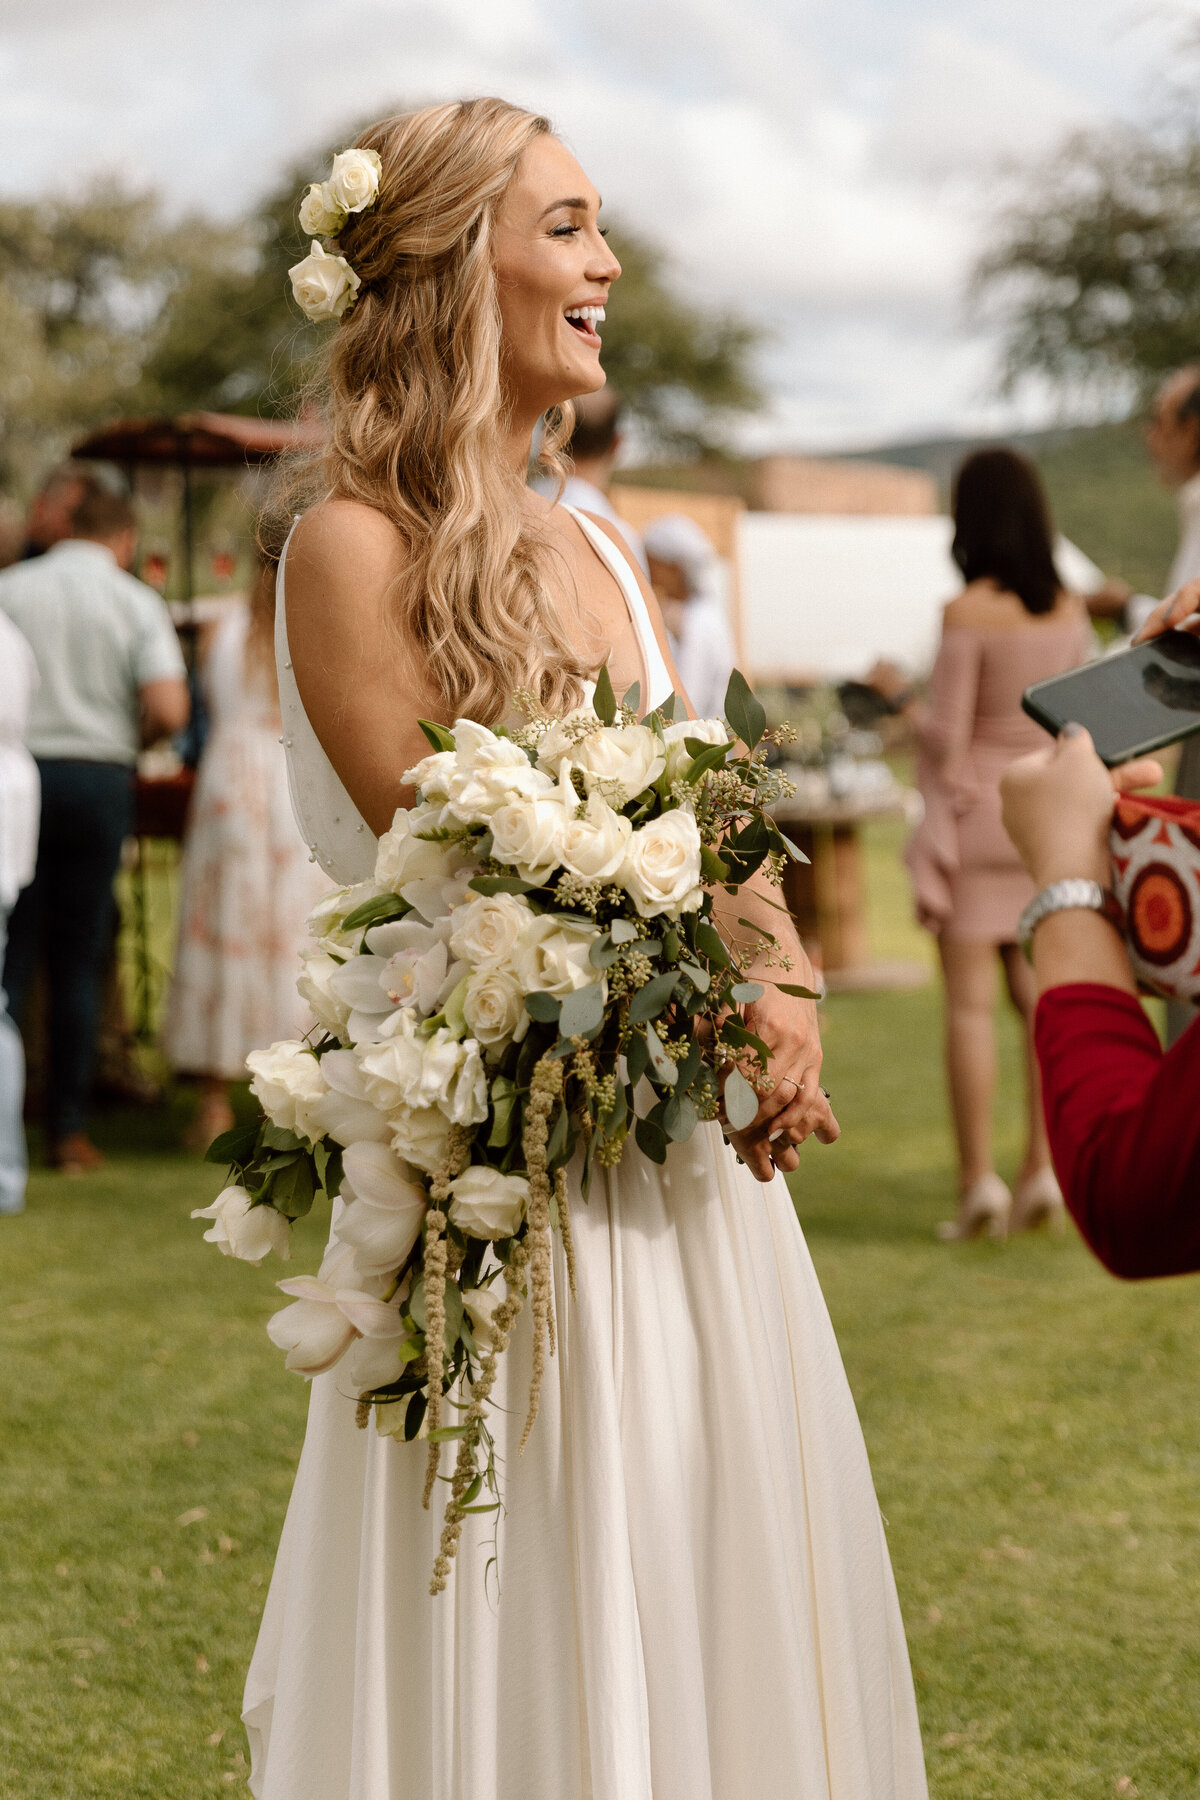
(828, 168)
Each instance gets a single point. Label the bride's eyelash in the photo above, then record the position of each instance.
(573, 231)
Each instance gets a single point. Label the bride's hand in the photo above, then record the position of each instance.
(796, 1107)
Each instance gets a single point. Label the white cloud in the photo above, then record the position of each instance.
(823, 168)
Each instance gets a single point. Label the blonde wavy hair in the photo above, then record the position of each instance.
(417, 410)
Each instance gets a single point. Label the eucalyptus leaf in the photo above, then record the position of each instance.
(543, 1007)
(744, 992)
(504, 1100)
(622, 931)
(793, 850)
(653, 997)
(741, 1101)
(604, 700)
(633, 697)
(743, 711)
(670, 944)
(712, 866)
(582, 1011)
(666, 1070)
(710, 942)
(604, 954)
(500, 884)
(708, 756)
(637, 1058)
(698, 977)
(438, 736)
(800, 993)
(679, 1118)
(651, 1140)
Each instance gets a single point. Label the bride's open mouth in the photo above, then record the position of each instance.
(584, 320)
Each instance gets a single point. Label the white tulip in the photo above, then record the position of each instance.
(384, 1211)
(327, 1315)
(481, 1305)
(662, 866)
(324, 286)
(486, 1204)
(243, 1230)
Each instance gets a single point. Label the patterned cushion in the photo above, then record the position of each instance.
(1156, 874)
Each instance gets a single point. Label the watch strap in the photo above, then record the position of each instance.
(1075, 893)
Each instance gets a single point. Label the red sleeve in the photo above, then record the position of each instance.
(1124, 1124)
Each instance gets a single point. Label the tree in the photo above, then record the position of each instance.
(1094, 272)
(240, 343)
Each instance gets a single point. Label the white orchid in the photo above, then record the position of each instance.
(406, 964)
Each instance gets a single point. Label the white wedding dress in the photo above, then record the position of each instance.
(695, 1600)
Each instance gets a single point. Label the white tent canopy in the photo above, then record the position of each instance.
(823, 597)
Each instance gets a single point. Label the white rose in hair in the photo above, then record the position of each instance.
(384, 1211)
(629, 757)
(320, 215)
(485, 932)
(662, 866)
(707, 731)
(486, 1204)
(481, 1306)
(553, 957)
(494, 1008)
(323, 285)
(354, 179)
(528, 834)
(594, 847)
(288, 1083)
(243, 1230)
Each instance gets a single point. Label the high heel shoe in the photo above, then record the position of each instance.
(1038, 1203)
(983, 1211)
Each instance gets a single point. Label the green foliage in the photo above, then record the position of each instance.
(1095, 268)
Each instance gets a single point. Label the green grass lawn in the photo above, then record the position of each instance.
(1032, 1423)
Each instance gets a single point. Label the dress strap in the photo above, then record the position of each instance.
(338, 836)
(658, 676)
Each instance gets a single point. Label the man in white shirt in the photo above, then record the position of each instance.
(111, 676)
(18, 857)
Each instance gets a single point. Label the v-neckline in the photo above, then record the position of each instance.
(607, 554)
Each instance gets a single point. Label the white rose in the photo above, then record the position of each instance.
(662, 866)
(326, 921)
(707, 731)
(323, 285)
(384, 1211)
(406, 1069)
(392, 1067)
(288, 1083)
(403, 856)
(560, 738)
(320, 215)
(491, 771)
(245, 1231)
(420, 1135)
(528, 835)
(481, 1305)
(553, 957)
(487, 1204)
(494, 1008)
(314, 985)
(433, 775)
(594, 847)
(485, 932)
(346, 1114)
(354, 179)
(626, 758)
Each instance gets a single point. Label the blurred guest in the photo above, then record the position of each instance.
(248, 883)
(685, 574)
(593, 448)
(1123, 1120)
(18, 856)
(111, 676)
(1011, 625)
(48, 520)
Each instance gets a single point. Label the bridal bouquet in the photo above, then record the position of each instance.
(533, 976)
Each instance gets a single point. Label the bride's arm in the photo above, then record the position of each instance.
(363, 686)
(796, 1108)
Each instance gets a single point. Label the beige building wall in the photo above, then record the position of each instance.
(809, 484)
(717, 515)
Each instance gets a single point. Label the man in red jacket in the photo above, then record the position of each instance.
(1123, 1118)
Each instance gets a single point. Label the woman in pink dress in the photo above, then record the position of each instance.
(1013, 624)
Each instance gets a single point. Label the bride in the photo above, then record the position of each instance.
(689, 1595)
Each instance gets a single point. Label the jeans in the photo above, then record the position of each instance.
(14, 1163)
(66, 915)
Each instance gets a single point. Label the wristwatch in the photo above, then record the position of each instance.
(1075, 893)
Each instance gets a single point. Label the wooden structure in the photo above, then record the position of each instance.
(719, 518)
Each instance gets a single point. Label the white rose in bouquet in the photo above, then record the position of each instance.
(707, 731)
(315, 985)
(320, 215)
(494, 1008)
(434, 775)
(625, 758)
(354, 179)
(420, 1135)
(409, 1069)
(403, 856)
(346, 1114)
(384, 1208)
(323, 285)
(243, 1230)
(594, 847)
(528, 834)
(481, 1305)
(486, 1204)
(288, 1084)
(553, 957)
(662, 866)
(491, 771)
(560, 738)
(485, 932)
(326, 919)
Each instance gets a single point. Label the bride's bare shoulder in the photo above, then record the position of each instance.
(344, 546)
